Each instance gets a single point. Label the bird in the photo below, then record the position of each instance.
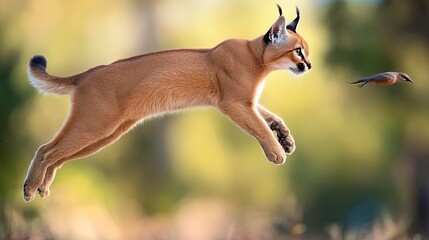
(384, 79)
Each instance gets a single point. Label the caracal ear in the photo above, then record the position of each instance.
(278, 34)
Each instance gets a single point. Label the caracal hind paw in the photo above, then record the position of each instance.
(27, 194)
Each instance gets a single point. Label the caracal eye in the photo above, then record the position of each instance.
(298, 51)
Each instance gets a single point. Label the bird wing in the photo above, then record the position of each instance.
(380, 77)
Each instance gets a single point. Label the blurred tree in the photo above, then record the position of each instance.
(412, 22)
(411, 18)
(11, 143)
(148, 151)
(375, 43)
(354, 41)
(10, 101)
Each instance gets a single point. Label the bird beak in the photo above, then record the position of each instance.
(410, 80)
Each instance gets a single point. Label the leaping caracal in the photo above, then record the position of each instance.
(108, 100)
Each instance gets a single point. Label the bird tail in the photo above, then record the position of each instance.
(359, 81)
(45, 82)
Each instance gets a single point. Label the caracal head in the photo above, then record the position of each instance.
(286, 49)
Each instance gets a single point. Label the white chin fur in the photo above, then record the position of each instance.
(284, 66)
(291, 67)
(296, 71)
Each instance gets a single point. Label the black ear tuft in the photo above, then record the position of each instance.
(280, 10)
(297, 12)
(292, 25)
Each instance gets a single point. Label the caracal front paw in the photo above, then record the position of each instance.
(275, 153)
(284, 137)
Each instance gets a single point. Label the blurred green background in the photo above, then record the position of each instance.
(361, 166)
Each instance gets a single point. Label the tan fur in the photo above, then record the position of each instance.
(109, 100)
